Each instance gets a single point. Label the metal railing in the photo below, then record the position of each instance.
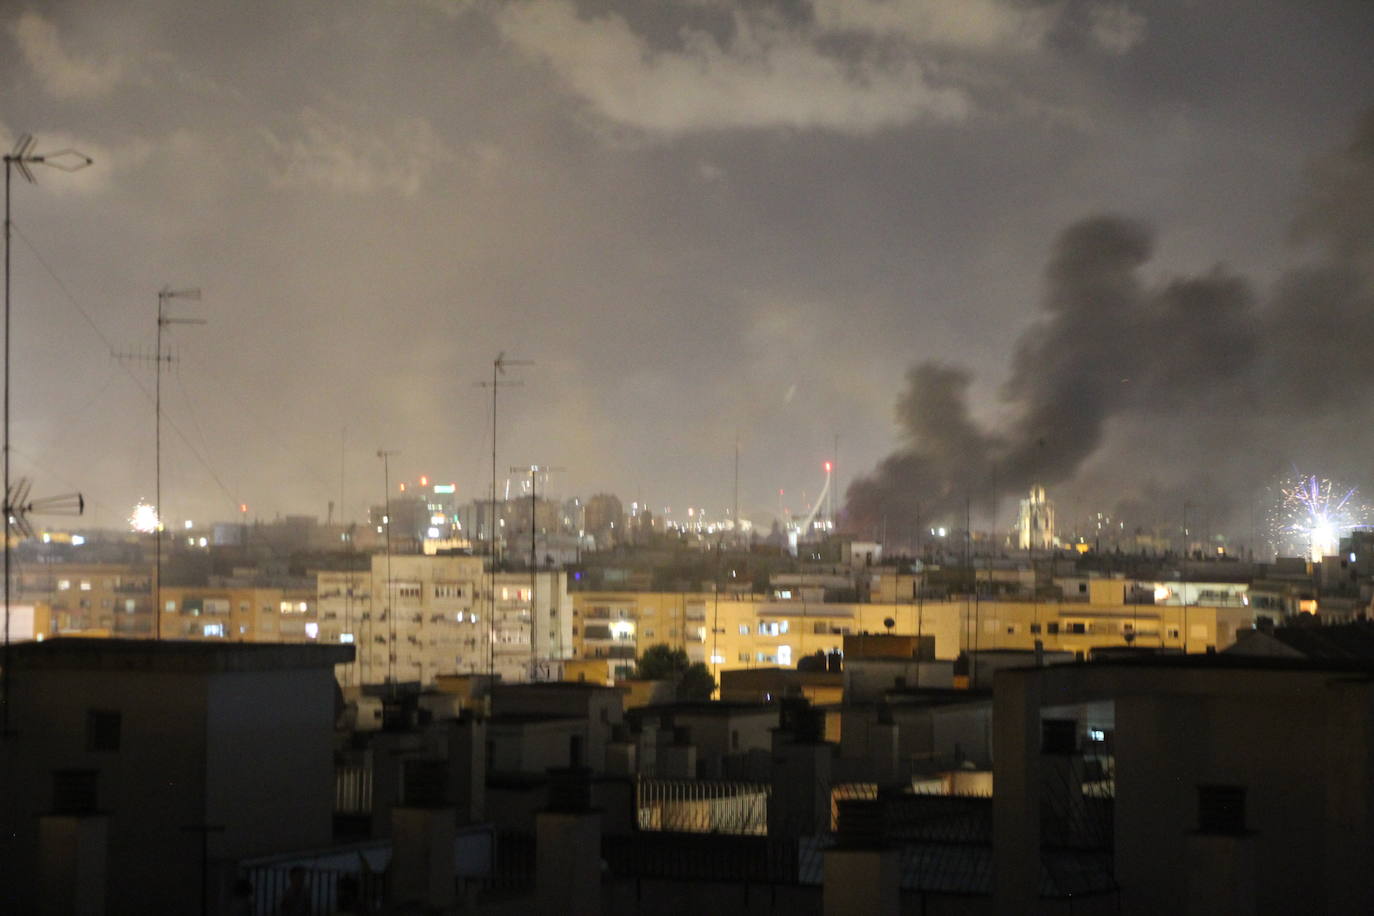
(701, 806)
(353, 789)
(324, 890)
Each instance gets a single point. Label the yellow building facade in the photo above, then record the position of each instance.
(731, 633)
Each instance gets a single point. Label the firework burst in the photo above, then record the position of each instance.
(1312, 514)
(144, 519)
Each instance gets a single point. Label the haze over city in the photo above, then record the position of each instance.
(1119, 249)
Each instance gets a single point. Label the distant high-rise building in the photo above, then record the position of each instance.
(419, 511)
(1035, 525)
(605, 520)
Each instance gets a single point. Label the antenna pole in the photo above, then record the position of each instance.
(159, 359)
(67, 160)
(498, 368)
(737, 529)
(390, 603)
(5, 727)
(157, 475)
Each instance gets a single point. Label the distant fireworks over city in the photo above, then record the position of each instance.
(144, 519)
(1313, 513)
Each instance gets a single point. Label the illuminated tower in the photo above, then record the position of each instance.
(1035, 526)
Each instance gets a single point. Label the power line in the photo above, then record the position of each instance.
(75, 303)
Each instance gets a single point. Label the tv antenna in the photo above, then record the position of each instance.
(389, 610)
(161, 359)
(21, 157)
(498, 369)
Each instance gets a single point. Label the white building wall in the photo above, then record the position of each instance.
(426, 619)
(344, 604)
(530, 643)
(439, 614)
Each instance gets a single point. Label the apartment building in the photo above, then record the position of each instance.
(619, 626)
(415, 617)
(343, 602)
(131, 749)
(730, 633)
(422, 617)
(532, 625)
(238, 613)
(110, 599)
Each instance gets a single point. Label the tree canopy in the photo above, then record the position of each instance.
(692, 680)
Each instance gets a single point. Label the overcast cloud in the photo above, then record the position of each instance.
(701, 221)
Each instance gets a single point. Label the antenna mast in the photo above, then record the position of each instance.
(498, 369)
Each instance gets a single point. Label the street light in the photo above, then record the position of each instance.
(21, 157)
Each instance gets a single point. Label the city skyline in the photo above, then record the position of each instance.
(705, 226)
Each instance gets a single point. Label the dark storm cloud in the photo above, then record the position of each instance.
(1183, 356)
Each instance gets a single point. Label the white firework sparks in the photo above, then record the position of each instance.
(144, 519)
(1313, 514)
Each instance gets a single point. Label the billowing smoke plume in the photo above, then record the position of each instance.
(1129, 394)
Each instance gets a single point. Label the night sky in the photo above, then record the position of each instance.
(1120, 248)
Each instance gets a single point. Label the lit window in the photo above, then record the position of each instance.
(744, 629)
(346, 638)
(312, 630)
(85, 585)
(64, 584)
(214, 629)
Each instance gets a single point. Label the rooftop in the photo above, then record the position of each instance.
(65, 653)
(1228, 662)
(565, 686)
(704, 707)
(1343, 642)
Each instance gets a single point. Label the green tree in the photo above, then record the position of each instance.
(662, 662)
(692, 680)
(696, 683)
